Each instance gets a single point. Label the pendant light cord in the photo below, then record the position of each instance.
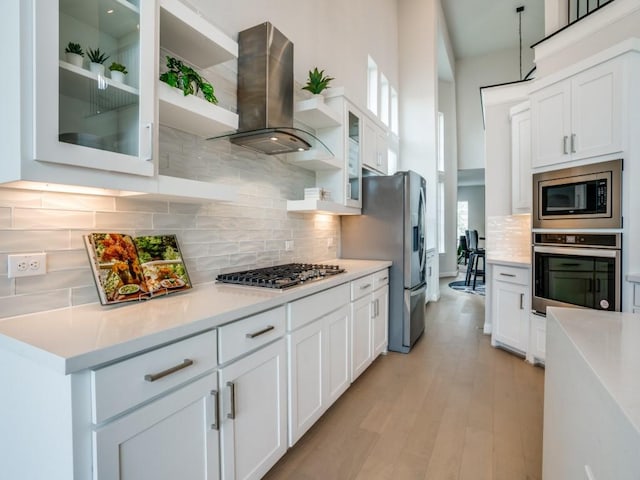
(520, 10)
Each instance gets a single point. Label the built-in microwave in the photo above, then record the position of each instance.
(588, 196)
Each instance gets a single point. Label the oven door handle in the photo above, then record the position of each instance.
(580, 252)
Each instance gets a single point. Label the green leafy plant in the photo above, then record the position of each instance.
(96, 56)
(118, 67)
(187, 79)
(317, 82)
(74, 48)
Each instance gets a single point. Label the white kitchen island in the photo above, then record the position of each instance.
(592, 396)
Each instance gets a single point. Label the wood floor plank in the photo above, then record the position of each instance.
(454, 408)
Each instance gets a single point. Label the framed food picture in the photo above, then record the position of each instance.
(130, 268)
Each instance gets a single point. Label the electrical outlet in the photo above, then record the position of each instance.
(288, 245)
(331, 242)
(27, 264)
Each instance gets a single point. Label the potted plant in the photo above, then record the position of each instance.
(97, 59)
(118, 71)
(317, 81)
(74, 54)
(187, 79)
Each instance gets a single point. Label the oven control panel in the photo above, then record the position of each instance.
(600, 240)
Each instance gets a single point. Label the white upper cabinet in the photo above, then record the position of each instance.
(375, 147)
(579, 117)
(521, 180)
(84, 116)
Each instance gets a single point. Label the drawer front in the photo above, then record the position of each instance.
(237, 338)
(361, 287)
(380, 278)
(511, 274)
(125, 384)
(308, 309)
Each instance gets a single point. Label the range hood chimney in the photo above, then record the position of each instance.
(265, 93)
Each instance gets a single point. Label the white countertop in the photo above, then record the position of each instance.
(76, 338)
(512, 261)
(609, 342)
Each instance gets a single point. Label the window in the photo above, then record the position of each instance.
(394, 111)
(384, 99)
(441, 142)
(463, 217)
(372, 86)
(441, 218)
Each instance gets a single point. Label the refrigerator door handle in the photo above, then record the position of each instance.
(418, 290)
(423, 207)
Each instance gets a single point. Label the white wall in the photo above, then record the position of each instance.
(475, 196)
(417, 40)
(334, 35)
(471, 74)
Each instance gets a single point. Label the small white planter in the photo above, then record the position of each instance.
(117, 76)
(97, 68)
(74, 59)
(319, 97)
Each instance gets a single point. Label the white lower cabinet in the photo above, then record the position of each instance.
(538, 338)
(253, 426)
(361, 340)
(369, 320)
(156, 414)
(318, 369)
(511, 305)
(380, 320)
(173, 437)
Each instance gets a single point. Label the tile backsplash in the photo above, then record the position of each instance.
(509, 237)
(214, 237)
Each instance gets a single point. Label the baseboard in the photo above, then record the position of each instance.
(448, 274)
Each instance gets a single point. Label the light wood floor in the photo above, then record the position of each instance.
(454, 408)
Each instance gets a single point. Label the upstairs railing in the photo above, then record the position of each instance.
(578, 9)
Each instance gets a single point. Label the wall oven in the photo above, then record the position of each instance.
(582, 197)
(576, 269)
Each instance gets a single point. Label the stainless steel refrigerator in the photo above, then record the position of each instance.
(392, 227)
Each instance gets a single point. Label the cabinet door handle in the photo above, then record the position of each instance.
(522, 301)
(377, 307)
(348, 190)
(373, 309)
(573, 143)
(152, 377)
(364, 287)
(232, 400)
(149, 156)
(266, 329)
(216, 419)
(565, 149)
(507, 274)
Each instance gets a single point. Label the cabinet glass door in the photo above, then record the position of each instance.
(354, 151)
(94, 77)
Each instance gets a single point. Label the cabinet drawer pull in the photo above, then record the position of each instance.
(266, 329)
(216, 419)
(384, 278)
(507, 274)
(232, 397)
(152, 377)
(565, 149)
(364, 287)
(573, 143)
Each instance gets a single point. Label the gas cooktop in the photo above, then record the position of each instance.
(281, 276)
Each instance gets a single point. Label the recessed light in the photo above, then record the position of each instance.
(275, 139)
(300, 149)
(110, 10)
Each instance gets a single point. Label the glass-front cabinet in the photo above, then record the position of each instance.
(354, 155)
(95, 69)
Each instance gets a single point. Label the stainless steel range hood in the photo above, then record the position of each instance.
(265, 94)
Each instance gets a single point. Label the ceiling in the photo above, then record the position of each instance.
(485, 26)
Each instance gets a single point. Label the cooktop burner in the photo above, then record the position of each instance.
(281, 276)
